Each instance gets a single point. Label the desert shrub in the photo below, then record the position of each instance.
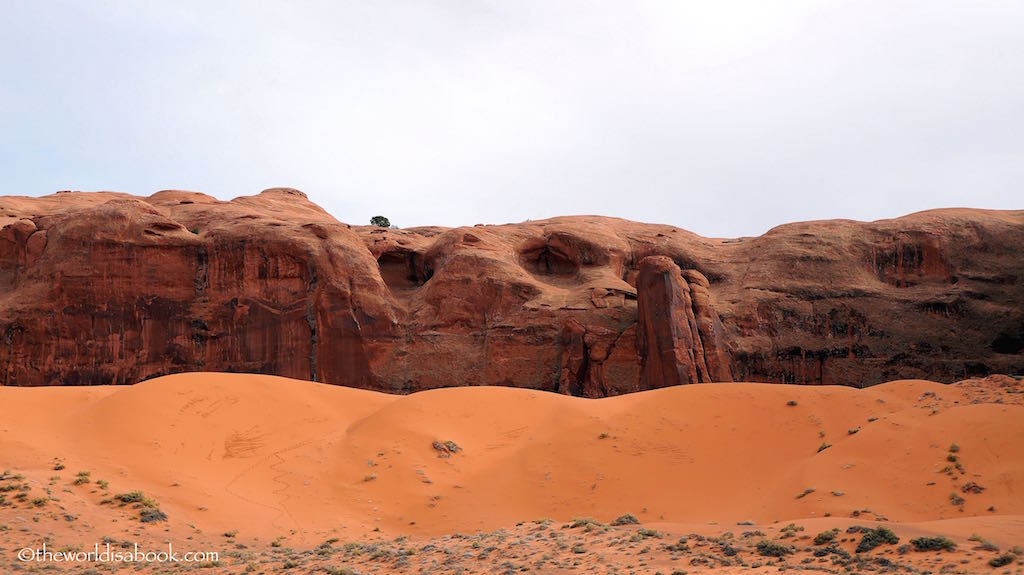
(933, 544)
(130, 497)
(680, 546)
(152, 515)
(772, 549)
(137, 497)
(972, 487)
(874, 537)
(445, 448)
(823, 446)
(825, 537)
(830, 549)
(82, 478)
(1002, 560)
(380, 222)
(587, 523)
(627, 519)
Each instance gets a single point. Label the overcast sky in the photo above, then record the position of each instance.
(722, 117)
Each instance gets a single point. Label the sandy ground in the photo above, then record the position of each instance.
(292, 476)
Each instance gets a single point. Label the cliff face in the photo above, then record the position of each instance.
(100, 288)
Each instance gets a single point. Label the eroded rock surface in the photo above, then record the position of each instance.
(101, 288)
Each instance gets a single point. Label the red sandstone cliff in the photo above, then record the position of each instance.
(109, 288)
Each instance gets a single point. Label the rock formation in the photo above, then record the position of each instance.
(108, 288)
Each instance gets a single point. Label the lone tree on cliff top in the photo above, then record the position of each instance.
(380, 222)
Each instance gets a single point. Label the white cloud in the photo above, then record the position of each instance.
(722, 117)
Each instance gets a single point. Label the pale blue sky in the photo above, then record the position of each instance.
(722, 117)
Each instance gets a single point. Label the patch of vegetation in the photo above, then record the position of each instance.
(627, 519)
(135, 497)
(791, 530)
(8, 476)
(832, 549)
(151, 515)
(380, 222)
(772, 548)
(874, 537)
(791, 403)
(39, 501)
(956, 499)
(972, 487)
(805, 493)
(445, 448)
(1002, 560)
(826, 537)
(11, 486)
(933, 544)
(823, 446)
(678, 547)
(102, 484)
(82, 478)
(369, 477)
(339, 571)
(149, 509)
(586, 523)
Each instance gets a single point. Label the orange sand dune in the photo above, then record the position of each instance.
(268, 456)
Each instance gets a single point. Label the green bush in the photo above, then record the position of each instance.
(627, 519)
(826, 537)
(933, 544)
(1003, 560)
(772, 549)
(875, 537)
(152, 515)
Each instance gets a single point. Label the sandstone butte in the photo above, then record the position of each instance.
(109, 288)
